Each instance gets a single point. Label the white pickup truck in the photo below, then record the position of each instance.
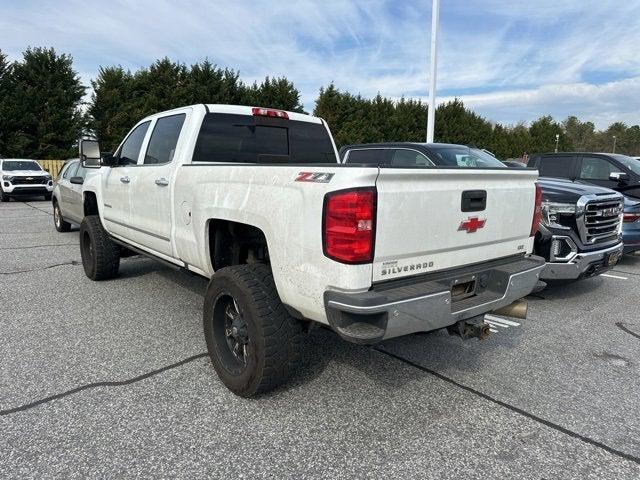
(296, 239)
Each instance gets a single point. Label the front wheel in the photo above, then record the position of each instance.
(100, 255)
(253, 342)
(47, 197)
(3, 196)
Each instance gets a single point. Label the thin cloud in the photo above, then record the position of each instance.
(506, 50)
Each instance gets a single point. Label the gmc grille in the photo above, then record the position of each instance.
(29, 180)
(601, 221)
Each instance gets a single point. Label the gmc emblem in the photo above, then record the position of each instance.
(472, 225)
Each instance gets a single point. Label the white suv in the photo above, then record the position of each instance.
(24, 177)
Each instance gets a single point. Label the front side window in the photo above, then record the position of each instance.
(130, 149)
(14, 165)
(596, 168)
(370, 156)
(162, 145)
(246, 139)
(71, 170)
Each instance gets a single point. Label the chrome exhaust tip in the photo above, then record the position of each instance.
(517, 309)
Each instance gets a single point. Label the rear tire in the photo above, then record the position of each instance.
(253, 342)
(58, 221)
(100, 255)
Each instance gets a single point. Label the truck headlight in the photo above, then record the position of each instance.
(8, 178)
(553, 211)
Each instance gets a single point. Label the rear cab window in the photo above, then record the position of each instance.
(232, 138)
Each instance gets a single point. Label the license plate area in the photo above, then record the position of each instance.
(462, 288)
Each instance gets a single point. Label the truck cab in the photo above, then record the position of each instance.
(617, 172)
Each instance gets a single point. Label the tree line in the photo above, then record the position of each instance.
(43, 111)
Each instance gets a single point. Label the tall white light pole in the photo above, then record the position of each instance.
(435, 13)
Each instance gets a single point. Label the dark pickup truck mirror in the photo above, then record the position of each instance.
(89, 153)
(77, 180)
(619, 177)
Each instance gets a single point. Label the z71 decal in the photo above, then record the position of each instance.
(317, 177)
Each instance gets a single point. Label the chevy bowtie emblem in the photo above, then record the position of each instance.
(29, 178)
(472, 225)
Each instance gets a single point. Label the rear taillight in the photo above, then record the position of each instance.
(349, 221)
(537, 211)
(631, 217)
(269, 112)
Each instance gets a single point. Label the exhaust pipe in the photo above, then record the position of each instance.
(517, 309)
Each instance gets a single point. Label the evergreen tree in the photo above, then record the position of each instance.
(42, 106)
(111, 111)
(543, 136)
(4, 95)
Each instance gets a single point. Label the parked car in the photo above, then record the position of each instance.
(258, 196)
(568, 239)
(617, 172)
(580, 234)
(631, 225)
(67, 195)
(22, 177)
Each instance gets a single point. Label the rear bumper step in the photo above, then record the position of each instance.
(427, 303)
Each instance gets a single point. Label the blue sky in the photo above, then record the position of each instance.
(509, 60)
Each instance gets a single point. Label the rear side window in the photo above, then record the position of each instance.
(374, 156)
(130, 150)
(409, 158)
(162, 145)
(557, 166)
(233, 138)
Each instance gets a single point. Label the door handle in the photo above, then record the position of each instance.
(162, 182)
(125, 179)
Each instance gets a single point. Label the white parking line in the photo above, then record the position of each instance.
(613, 276)
(493, 330)
(499, 320)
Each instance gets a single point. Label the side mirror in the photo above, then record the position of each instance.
(89, 153)
(619, 177)
(77, 180)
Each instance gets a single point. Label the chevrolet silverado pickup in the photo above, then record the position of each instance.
(256, 200)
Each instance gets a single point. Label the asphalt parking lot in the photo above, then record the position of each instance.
(110, 379)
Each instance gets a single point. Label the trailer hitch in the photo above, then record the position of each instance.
(470, 328)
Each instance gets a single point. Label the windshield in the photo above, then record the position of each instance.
(463, 157)
(13, 165)
(629, 162)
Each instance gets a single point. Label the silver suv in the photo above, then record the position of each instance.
(67, 195)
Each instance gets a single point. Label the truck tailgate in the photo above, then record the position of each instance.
(421, 225)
